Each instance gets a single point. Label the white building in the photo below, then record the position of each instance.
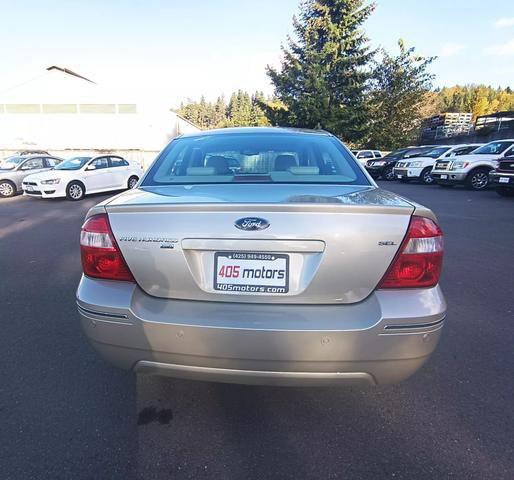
(64, 113)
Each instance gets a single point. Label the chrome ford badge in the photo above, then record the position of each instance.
(252, 223)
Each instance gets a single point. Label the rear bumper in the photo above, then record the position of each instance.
(383, 339)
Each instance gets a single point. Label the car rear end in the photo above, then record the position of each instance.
(286, 283)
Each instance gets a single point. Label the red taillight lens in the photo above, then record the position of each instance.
(419, 261)
(101, 256)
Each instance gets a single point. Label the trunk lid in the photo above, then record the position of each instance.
(336, 242)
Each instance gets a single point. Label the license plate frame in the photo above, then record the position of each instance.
(444, 177)
(253, 265)
(503, 180)
(29, 188)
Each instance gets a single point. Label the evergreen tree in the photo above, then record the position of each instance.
(220, 112)
(398, 96)
(242, 110)
(323, 77)
(258, 117)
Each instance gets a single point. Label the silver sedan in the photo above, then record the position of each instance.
(262, 256)
(14, 169)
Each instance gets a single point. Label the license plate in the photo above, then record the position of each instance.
(29, 188)
(444, 177)
(399, 176)
(503, 180)
(251, 273)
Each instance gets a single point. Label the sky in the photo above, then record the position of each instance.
(172, 50)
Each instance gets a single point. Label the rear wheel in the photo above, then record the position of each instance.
(426, 176)
(132, 182)
(75, 191)
(7, 189)
(478, 179)
(388, 174)
(505, 191)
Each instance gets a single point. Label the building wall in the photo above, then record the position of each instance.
(57, 111)
(120, 126)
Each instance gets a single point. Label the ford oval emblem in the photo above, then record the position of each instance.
(252, 223)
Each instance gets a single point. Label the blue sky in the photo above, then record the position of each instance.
(176, 49)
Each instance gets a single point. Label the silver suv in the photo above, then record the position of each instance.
(14, 169)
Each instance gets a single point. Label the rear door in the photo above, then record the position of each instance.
(51, 162)
(99, 178)
(30, 166)
(120, 171)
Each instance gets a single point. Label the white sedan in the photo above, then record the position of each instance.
(79, 176)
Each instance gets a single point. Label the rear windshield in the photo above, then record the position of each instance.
(255, 158)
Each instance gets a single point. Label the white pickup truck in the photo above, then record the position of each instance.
(473, 170)
(420, 167)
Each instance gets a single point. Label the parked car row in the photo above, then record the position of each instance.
(46, 176)
(475, 166)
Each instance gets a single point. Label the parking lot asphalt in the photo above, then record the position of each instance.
(67, 414)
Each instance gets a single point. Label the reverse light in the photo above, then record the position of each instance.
(51, 181)
(419, 260)
(101, 256)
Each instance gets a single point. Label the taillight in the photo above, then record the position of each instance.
(419, 261)
(101, 256)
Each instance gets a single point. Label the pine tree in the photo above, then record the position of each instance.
(323, 77)
(257, 115)
(398, 96)
(220, 112)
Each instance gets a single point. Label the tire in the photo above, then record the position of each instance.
(75, 191)
(477, 179)
(505, 191)
(426, 178)
(132, 182)
(388, 174)
(7, 189)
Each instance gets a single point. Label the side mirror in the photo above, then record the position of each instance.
(90, 167)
